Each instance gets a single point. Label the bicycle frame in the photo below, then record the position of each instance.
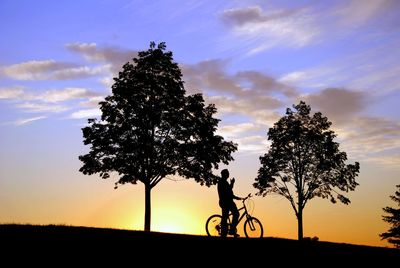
(252, 226)
(241, 214)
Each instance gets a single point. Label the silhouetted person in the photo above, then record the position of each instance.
(227, 203)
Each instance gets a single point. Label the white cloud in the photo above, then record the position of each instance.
(52, 95)
(48, 70)
(107, 81)
(356, 13)
(69, 93)
(246, 135)
(255, 144)
(257, 29)
(48, 101)
(93, 101)
(388, 160)
(211, 75)
(230, 130)
(88, 113)
(32, 70)
(75, 73)
(21, 122)
(239, 130)
(374, 70)
(369, 138)
(115, 56)
(252, 94)
(338, 104)
(293, 28)
(11, 92)
(41, 107)
(378, 79)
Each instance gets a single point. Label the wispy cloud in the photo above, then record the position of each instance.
(34, 70)
(313, 78)
(374, 70)
(70, 93)
(260, 112)
(356, 13)
(48, 70)
(87, 113)
(339, 104)
(26, 121)
(261, 99)
(259, 29)
(112, 55)
(92, 101)
(34, 107)
(365, 137)
(230, 130)
(104, 63)
(11, 92)
(256, 144)
(254, 14)
(109, 60)
(249, 93)
(211, 74)
(388, 160)
(266, 29)
(246, 135)
(45, 101)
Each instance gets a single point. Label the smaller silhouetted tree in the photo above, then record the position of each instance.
(304, 162)
(393, 218)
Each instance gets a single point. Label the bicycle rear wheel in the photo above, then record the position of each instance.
(213, 225)
(253, 228)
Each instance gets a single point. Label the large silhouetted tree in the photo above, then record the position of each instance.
(393, 218)
(149, 128)
(304, 161)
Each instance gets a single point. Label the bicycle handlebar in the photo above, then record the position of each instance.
(248, 196)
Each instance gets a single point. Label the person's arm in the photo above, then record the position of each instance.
(234, 196)
(237, 197)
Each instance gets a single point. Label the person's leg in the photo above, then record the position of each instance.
(224, 222)
(235, 218)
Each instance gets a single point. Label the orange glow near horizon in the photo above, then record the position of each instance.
(165, 219)
(175, 208)
(184, 206)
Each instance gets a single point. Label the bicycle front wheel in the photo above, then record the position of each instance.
(213, 225)
(253, 228)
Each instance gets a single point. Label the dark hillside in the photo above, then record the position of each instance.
(68, 243)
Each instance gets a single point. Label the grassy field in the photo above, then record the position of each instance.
(86, 243)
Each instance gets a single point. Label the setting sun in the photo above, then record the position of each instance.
(174, 221)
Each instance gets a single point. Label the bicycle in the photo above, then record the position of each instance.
(252, 226)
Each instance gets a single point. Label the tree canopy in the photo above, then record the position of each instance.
(393, 218)
(150, 128)
(304, 161)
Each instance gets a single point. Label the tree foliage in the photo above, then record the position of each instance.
(149, 128)
(393, 218)
(304, 162)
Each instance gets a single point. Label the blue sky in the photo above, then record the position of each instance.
(253, 59)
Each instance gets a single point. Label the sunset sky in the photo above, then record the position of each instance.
(252, 59)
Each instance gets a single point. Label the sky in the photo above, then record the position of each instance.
(252, 59)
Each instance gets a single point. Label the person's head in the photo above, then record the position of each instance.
(224, 174)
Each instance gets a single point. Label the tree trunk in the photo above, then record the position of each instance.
(147, 208)
(300, 224)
